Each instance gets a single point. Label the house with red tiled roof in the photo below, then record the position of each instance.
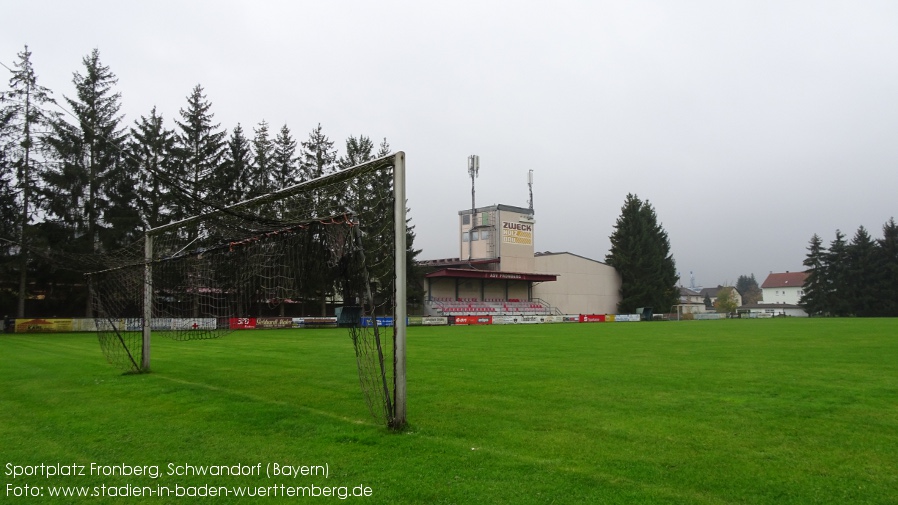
(781, 294)
(783, 288)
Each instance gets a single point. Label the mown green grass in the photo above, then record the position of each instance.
(760, 411)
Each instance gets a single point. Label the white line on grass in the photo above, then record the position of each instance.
(267, 400)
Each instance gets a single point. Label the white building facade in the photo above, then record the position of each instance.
(783, 288)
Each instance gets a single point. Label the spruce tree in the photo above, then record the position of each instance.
(24, 116)
(383, 149)
(838, 276)
(414, 274)
(86, 192)
(89, 155)
(318, 157)
(9, 210)
(358, 150)
(200, 150)
(237, 162)
(640, 252)
(284, 168)
(8, 215)
(816, 287)
(258, 179)
(748, 287)
(151, 157)
(886, 288)
(861, 273)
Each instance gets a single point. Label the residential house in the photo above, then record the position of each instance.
(780, 296)
(712, 293)
(691, 302)
(783, 288)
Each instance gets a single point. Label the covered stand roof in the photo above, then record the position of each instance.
(466, 273)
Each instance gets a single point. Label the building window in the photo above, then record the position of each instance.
(484, 234)
(464, 237)
(466, 219)
(475, 236)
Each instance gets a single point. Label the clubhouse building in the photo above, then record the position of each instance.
(498, 272)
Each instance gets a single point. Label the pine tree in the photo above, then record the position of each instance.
(886, 288)
(9, 211)
(285, 171)
(318, 157)
(838, 277)
(861, 273)
(89, 153)
(8, 215)
(24, 117)
(283, 168)
(200, 149)
(370, 198)
(383, 149)
(237, 162)
(640, 252)
(122, 216)
(748, 287)
(816, 287)
(358, 150)
(86, 190)
(258, 179)
(151, 156)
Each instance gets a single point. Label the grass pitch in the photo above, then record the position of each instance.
(707, 412)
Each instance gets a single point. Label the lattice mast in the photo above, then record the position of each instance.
(473, 171)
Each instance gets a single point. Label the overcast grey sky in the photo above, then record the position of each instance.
(748, 125)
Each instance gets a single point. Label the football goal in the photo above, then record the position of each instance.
(331, 245)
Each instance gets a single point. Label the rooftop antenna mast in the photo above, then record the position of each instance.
(530, 186)
(473, 171)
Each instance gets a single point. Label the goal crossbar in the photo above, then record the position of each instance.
(302, 187)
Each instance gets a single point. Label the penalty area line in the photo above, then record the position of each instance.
(269, 401)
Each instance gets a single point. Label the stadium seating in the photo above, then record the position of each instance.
(494, 306)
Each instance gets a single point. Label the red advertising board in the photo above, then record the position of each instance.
(592, 318)
(242, 323)
(473, 319)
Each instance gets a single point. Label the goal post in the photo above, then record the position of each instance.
(336, 243)
(401, 319)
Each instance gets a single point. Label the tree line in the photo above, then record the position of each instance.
(854, 278)
(78, 180)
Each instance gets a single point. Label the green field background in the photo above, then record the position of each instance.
(744, 411)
